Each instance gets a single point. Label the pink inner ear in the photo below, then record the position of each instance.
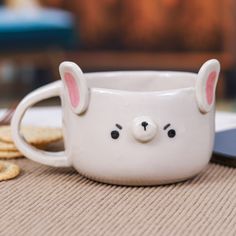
(210, 87)
(73, 89)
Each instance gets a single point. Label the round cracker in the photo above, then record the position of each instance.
(10, 154)
(8, 171)
(10, 147)
(4, 146)
(33, 135)
(1, 167)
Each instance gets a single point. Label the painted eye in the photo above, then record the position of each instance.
(115, 134)
(171, 133)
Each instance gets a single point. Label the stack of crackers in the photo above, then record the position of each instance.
(39, 137)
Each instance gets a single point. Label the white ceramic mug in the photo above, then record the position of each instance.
(130, 127)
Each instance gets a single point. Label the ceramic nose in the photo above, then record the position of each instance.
(144, 129)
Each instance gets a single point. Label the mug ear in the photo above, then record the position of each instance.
(76, 86)
(206, 85)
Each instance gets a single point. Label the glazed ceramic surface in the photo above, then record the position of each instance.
(131, 128)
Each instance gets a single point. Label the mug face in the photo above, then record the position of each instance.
(139, 129)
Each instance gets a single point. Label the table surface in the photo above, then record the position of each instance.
(58, 201)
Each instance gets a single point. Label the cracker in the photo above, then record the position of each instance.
(9, 150)
(1, 167)
(33, 135)
(4, 146)
(10, 154)
(8, 170)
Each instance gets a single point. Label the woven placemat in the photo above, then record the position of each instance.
(53, 201)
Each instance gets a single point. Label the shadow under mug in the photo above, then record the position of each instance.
(130, 127)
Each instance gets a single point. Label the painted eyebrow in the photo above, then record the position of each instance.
(166, 126)
(118, 126)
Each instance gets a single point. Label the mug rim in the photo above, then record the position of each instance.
(179, 78)
(139, 71)
(127, 92)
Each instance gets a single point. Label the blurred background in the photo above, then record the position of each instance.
(36, 35)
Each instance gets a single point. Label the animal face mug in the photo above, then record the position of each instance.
(130, 128)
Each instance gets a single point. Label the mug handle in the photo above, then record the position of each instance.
(57, 159)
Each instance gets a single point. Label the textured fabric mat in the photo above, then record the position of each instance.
(53, 201)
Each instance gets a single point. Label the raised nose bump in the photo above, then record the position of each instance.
(144, 128)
